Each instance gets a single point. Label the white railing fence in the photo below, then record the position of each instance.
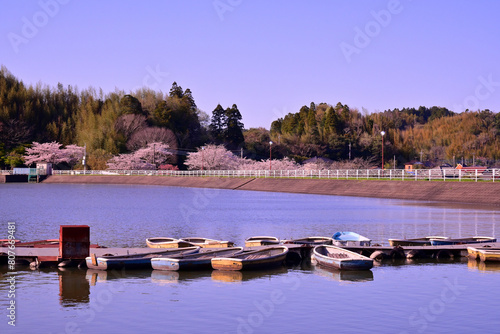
(340, 174)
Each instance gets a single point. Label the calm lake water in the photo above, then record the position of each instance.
(431, 297)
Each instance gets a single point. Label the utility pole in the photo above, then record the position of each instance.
(349, 150)
(382, 133)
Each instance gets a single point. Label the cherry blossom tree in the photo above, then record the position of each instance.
(128, 161)
(276, 164)
(53, 153)
(212, 157)
(144, 158)
(73, 154)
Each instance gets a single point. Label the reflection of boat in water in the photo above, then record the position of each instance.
(229, 276)
(169, 277)
(419, 262)
(96, 275)
(343, 275)
(483, 266)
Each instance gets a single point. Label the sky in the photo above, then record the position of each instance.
(269, 57)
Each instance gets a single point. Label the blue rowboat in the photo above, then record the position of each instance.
(424, 241)
(350, 239)
(462, 241)
(340, 258)
(135, 261)
(198, 261)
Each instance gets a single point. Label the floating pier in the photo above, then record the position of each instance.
(46, 257)
(417, 252)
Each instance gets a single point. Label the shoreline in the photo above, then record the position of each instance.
(482, 193)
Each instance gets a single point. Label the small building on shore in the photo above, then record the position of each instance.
(44, 168)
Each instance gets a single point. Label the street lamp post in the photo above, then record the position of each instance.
(382, 133)
(270, 153)
(84, 158)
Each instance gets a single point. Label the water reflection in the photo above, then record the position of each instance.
(169, 277)
(344, 275)
(229, 276)
(404, 262)
(483, 266)
(74, 289)
(94, 276)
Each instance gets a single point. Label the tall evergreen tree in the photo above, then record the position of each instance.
(130, 105)
(176, 91)
(218, 125)
(234, 128)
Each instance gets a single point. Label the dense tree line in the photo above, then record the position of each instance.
(119, 123)
(107, 124)
(434, 135)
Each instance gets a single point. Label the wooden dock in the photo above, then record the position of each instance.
(49, 256)
(417, 252)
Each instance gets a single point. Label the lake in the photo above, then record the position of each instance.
(427, 296)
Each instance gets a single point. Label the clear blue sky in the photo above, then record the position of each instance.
(269, 57)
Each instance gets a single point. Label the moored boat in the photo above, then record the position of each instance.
(197, 261)
(161, 242)
(339, 258)
(486, 255)
(423, 241)
(473, 252)
(135, 261)
(462, 241)
(350, 239)
(311, 241)
(208, 243)
(261, 241)
(269, 257)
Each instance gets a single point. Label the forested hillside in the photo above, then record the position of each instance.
(432, 134)
(108, 124)
(120, 122)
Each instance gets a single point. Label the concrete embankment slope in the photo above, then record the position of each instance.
(194, 182)
(484, 193)
(453, 192)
